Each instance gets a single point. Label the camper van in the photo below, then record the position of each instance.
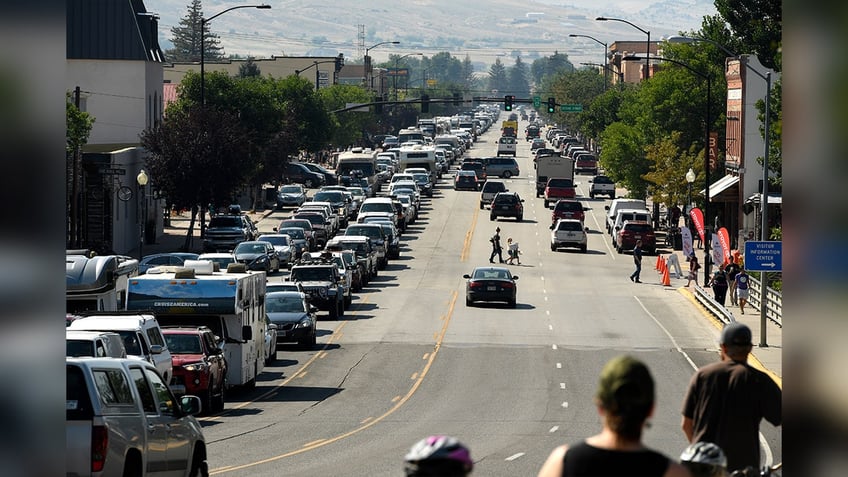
(97, 283)
(358, 162)
(420, 157)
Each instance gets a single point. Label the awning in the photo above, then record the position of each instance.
(721, 185)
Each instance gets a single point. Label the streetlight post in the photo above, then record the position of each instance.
(203, 22)
(606, 49)
(314, 65)
(368, 67)
(764, 236)
(690, 178)
(707, 235)
(141, 179)
(648, 44)
(394, 76)
(607, 68)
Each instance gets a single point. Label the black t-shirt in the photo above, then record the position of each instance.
(585, 460)
(726, 402)
(731, 270)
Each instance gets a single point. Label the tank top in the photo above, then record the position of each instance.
(588, 461)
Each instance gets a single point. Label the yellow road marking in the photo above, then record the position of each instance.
(400, 402)
(466, 245)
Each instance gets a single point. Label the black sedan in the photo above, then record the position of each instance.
(490, 284)
(294, 317)
(258, 255)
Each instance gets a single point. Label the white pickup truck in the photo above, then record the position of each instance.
(121, 419)
(601, 185)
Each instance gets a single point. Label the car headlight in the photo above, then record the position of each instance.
(322, 292)
(304, 323)
(262, 259)
(195, 367)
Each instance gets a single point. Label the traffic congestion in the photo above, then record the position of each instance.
(306, 342)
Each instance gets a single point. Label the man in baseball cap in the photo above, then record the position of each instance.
(726, 401)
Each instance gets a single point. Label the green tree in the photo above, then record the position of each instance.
(348, 127)
(517, 79)
(468, 79)
(79, 124)
(195, 157)
(623, 158)
(758, 24)
(497, 77)
(249, 68)
(668, 167)
(775, 132)
(549, 66)
(187, 39)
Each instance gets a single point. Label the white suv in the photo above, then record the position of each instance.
(141, 334)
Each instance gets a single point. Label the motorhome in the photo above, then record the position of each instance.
(420, 156)
(97, 283)
(410, 134)
(231, 303)
(358, 162)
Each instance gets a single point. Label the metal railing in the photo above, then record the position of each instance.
(774, 303)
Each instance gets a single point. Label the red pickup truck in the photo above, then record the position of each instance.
(586, 162)
(559, 188)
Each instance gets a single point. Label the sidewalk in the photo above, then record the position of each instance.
(173, 238)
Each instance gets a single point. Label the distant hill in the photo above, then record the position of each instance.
(483, 29)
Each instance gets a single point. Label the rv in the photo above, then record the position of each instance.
(420, 156)
(359, 162)
(231, 304)
(97, 283)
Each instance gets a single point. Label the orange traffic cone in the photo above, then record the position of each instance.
(666, 280)
(663, 266)
(659, 261)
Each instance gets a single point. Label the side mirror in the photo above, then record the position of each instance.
(552, 226)
(274, 229)
(586, 229)
(190, 405)
(272, 326)
(515, 277)
(156, 349)
(466, 276)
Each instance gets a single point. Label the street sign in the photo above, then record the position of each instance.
(397, 71)
(432, 82)
(353, 107)
(113, 172)
(763, 256)
(571, 108)
(537, 101)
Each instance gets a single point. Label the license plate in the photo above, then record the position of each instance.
(491, 288)
(281, 333)
(637, 237)
(504, 207)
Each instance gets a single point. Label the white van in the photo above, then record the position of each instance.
(621, 204)
(141, 334)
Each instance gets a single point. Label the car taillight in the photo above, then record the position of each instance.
(99, 446)
(508, 285)
(475, 285)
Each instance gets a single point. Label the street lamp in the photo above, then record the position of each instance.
(203, 22)
(339, 61)
(141, 179)
(707, 235)
(690, 178)
(368, 68)
(394, 76)
(607, 68)
(648, 45)
(606, 48)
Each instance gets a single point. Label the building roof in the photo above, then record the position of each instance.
(111, 30)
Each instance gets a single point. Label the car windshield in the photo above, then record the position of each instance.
(487, 273)
(221, 261)
(568, 206)
(328, 196)
(183, 344)
(283, 304)
(275, 239)
(311, 274)
(250, 248)
(506, 199)
(377, 207)
(372, 232)
(303, 224)
(291, 190)
(560, 183)
(278, 287)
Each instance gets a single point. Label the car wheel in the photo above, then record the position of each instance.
(583, 249)
(511, 303)
(206, 399)
(481, 205)
(468, 302)
(546, 204)
(348, 300)
(340, 306)
(491, 217)
(553, 247)
(520, 218)
(507, 174)
(199, 466)
(334, 312)
(591, 195)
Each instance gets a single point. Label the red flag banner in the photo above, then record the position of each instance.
(698, 219)
(724, 240)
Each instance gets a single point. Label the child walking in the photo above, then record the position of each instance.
(513, 251)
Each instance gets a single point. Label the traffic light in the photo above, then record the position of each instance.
(508, 99)
(378, 105)
(551, 105)
(425, 103)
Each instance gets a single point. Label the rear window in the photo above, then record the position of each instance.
(602, 180)
(641, 228)
(569, 206)
(560, 183)
(77, 403)
(570, 226)
(505, 199)
(225, 222)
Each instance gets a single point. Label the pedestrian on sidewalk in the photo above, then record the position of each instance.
(513, 251)
(731, 270)
(694, 266)
(719, 284)
(742, 285)
(496, 247)
(637, 260)
(726, 401)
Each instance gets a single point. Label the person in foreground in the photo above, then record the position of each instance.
(625, 400)
(438, 456)
(727, 400)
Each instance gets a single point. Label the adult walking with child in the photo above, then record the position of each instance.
(496, 247)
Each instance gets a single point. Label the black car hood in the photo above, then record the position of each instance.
(282, 318)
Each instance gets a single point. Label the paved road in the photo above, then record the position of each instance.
(410, 359)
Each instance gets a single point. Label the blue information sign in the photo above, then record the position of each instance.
(763, 256)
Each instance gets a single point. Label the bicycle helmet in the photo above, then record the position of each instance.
(704, 459)
(441, 456)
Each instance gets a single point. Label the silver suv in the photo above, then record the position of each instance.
(505, 167)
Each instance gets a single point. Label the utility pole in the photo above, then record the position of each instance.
(74, 228)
